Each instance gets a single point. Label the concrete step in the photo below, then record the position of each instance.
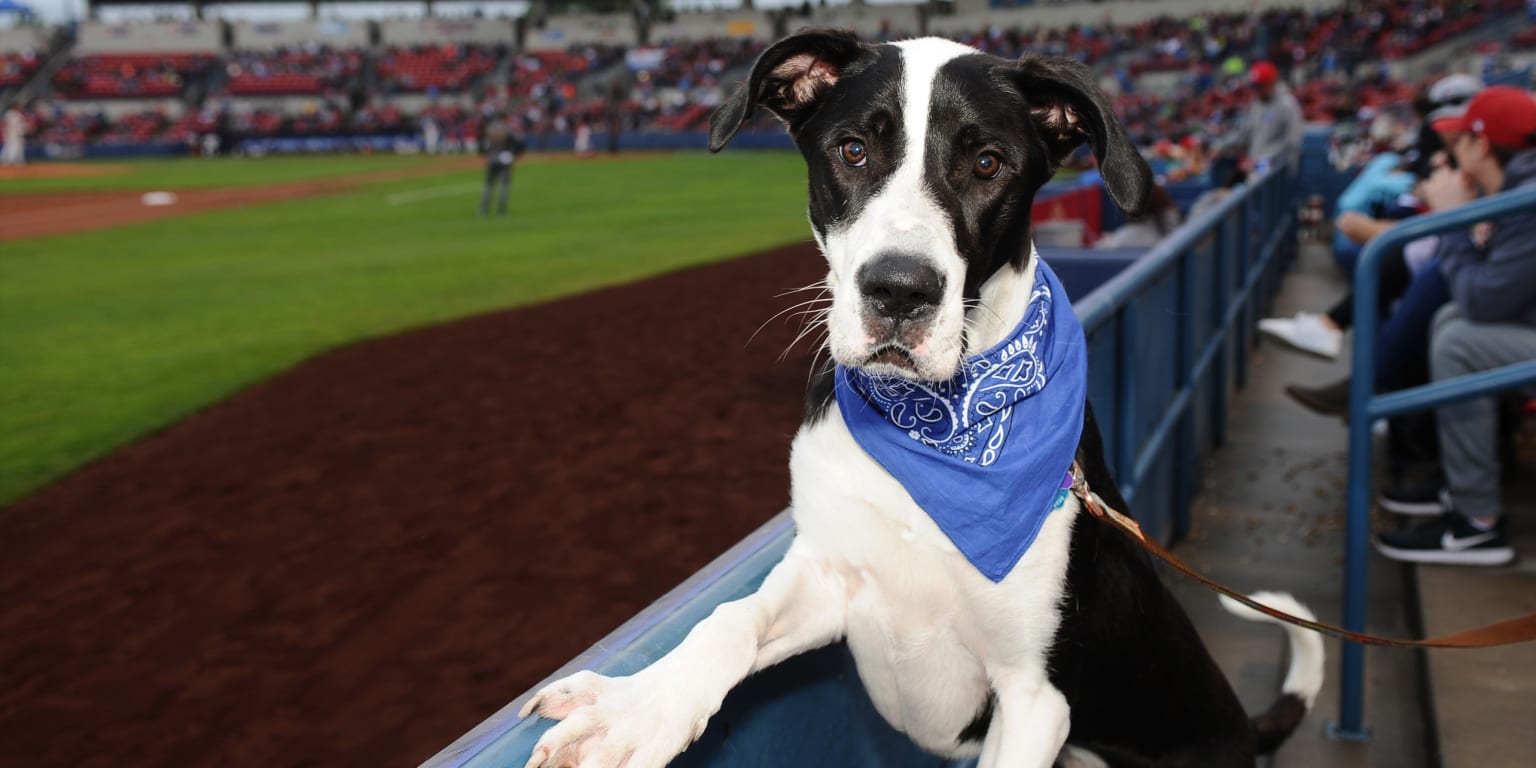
(1271, 517)
(1485, 700)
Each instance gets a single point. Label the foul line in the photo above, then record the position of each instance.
(401, 198)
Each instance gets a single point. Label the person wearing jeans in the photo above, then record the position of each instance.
(1490, 271)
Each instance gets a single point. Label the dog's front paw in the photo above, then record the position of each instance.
(610, 722)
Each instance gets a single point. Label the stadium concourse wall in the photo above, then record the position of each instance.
(270, 36)
(17, 39)
(407, 32)
(183, 37)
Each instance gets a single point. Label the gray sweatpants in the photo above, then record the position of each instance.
(1469, 430)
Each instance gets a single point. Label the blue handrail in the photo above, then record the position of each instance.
(1366, 406)
(1245, 231)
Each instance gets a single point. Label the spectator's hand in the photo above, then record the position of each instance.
(1481, 232)
(1356, 226)
(1446, 189)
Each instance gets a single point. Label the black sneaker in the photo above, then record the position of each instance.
(1426, 500)
(1450, 540)
(1328, 400)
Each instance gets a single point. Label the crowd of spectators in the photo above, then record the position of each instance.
(448, 67)
(16, 68)
(1450, 305)
(1311, 43)
(313, 69)
(129, 75)
(674, 86)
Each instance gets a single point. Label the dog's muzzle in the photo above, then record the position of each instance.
(900, 287)
(901, 294)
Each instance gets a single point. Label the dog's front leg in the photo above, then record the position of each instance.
(1030, 725)
(646, 719)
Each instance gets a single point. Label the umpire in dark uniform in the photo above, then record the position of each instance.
(502, 147)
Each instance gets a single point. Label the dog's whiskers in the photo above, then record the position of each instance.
(808, 303)
(970, 326)
(821, 346)
(822, 284)
(816, 367)
(970, 304)
(809, 328)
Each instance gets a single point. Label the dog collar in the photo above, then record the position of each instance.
(984, 453)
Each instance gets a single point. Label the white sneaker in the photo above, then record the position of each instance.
(1305, 332)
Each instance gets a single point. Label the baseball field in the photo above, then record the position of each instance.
(315, 466)
(115, 332)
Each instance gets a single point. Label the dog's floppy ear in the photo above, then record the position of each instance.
(788, 78)
(1068, 108)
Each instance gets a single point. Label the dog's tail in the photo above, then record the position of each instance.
(1302, 680)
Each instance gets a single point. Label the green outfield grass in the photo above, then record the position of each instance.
(112, 334)
(192, 172)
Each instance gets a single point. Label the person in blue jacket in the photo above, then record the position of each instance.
(1490, 323)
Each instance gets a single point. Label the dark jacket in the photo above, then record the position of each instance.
(500, 145)
(1497, 283)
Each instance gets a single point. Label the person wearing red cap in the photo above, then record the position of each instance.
(1273, 127)
(1490, 323)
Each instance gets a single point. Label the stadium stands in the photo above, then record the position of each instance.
(340, 77)
(17, 68)
(129, 75)
(451, 67)
(293, 71)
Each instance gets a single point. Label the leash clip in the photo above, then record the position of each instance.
(1098, 508)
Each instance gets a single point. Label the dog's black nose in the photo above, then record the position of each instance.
(900, 284)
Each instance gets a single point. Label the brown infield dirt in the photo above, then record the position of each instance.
(355, 562)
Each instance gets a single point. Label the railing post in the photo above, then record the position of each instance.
(1351, 722)
(1184, 445)
(1244, 263)
(1357, 522)
(1224, 240)
(1125, 401)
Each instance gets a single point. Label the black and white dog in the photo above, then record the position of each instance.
(924, 157)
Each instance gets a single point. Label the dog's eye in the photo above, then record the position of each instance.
(988, 165)
(854, 153)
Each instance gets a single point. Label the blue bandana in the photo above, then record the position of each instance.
(985, 452)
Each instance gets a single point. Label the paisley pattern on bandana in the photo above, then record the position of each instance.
(984, 453)
(967, 417)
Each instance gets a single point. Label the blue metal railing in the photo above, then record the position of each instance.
(1209, 280)
(1366, 406)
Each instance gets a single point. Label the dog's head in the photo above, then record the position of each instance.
(924, 158)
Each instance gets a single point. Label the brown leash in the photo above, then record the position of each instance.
(1520, 630)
